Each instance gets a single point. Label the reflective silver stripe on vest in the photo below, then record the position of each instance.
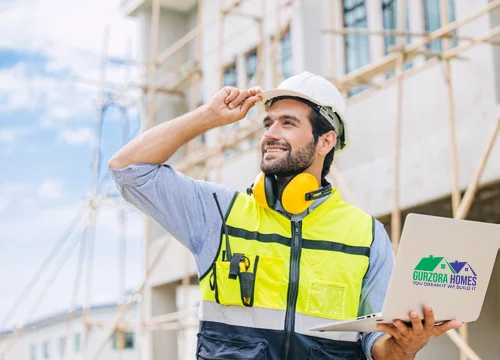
(262, 318)
(254, 317)
(304, 322)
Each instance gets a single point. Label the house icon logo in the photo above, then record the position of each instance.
(436, 271)
(462, 266)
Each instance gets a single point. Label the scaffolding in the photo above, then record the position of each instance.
(395, 60)
(204, 162)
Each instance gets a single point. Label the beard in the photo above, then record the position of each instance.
(290, 165)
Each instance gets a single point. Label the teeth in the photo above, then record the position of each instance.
(275, 150)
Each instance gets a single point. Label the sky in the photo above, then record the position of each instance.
(49, 117)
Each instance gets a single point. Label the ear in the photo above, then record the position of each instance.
(326, 142)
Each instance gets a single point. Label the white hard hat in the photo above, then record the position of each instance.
(318, 91)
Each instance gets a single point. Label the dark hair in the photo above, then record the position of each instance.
(321, 126)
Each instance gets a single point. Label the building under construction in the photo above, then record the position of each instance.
(422, 86)
(421, 79)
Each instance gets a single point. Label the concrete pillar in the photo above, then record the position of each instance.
(417, 24)
(374, 15)
(375, 23)
(495, 21)
(187, 338)
(172, 26)
(163, 301)
(338, 53)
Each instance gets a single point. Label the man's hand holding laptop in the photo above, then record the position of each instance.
(403, 341)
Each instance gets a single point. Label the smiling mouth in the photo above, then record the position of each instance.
(271, 154)
(268, 151)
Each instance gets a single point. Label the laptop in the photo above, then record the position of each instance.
(441, 262)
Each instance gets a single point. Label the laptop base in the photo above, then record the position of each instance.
(365, 324)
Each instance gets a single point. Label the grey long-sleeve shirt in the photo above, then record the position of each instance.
(185, 207)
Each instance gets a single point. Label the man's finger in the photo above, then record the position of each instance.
(391, 330)
(402, 328)
(248, 103)
(416, 323)
(429, 320)
(447, 325)
(255, 90)
(233, 94)
(242, 96)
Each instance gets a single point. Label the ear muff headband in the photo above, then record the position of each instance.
(271, 188)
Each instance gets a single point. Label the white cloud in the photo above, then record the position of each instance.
(4, 202)
(29, 205)
(9, 135)
(10, 192)
(51, 189)
(61, 112)
(72, 47)
(57, 99)
(18, 90)
(54, 116)
(78, 136)
(65, 27)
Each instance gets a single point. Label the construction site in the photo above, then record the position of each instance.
(421, 80)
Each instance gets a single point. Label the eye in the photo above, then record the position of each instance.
(287, 122)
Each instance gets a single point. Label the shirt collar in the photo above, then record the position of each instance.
(298, 217)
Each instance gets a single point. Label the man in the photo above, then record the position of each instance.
(288, 255)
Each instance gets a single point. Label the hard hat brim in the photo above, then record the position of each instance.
(271, 94)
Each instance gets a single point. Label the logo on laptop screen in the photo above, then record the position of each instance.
(436, 271)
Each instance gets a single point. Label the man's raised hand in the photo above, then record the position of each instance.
(230, 104)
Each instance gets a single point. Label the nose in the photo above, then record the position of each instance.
(273, 132)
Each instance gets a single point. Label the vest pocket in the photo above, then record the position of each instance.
(327, 299)
(211, 348)
(269, 283)
(321, 353)
(227, 289)
(259, 284)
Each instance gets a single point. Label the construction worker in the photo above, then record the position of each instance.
(287, 255)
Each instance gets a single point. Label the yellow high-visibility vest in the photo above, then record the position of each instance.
(289, 276)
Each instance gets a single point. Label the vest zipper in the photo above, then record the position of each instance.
(293, 285)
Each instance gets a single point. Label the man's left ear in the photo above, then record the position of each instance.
(326, 142)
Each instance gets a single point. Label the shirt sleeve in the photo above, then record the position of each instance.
(183, 206)
(376, 282)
